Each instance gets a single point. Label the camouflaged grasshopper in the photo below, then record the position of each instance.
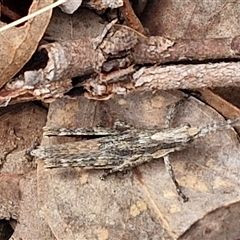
(123, 147)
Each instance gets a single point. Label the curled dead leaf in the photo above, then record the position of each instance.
(17, 91)
(19, 43)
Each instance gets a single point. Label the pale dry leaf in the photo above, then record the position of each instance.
(70, 6)
(19, 43)
(103, 4)
(83, 23)
(19, 202)
(22, 20)
(192, 19)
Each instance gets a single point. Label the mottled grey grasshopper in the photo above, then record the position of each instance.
(122, 147)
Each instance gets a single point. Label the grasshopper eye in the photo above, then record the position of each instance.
(185, 124)
(121, 125)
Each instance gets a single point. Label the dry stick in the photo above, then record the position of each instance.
(191, 78)
(218, 48)
(221, 105)
(65, 58)
(9, 13)
(188, 76)
(186, 49)
(142, 50)
(149, 50)
(131, 18)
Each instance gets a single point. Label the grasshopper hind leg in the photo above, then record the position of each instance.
(172, 175)
(125, 166)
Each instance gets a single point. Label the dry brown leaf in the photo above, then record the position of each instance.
(215, 225)
(19, 202)
(9, 196)
(21, 125)
(19, 43)
(30, 222)
(18, 128)
(144, 205)
(145, 200)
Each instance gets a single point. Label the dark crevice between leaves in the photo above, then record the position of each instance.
(12, 10)
(38, 60)
(6, 229)
(191, 62)
(77, 91)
